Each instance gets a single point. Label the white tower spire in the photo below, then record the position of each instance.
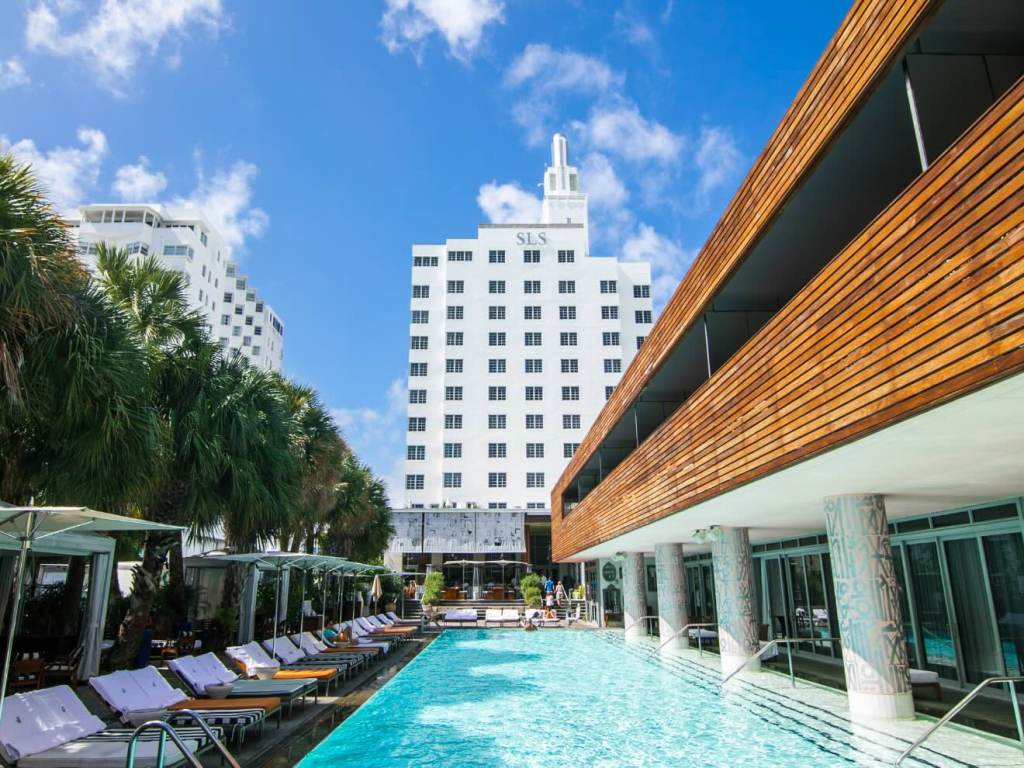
(563, 201)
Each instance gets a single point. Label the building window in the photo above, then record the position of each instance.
(453, 365)
(421, 316)
(424, 261)
(531, 257)
(570, 393)
(535, 421)
(567, 286)
(496, 257)
(566, 257)
(417, 396)
(456, 286)
(452, 393)
(539, 504)
(612, 365)
(531, 313)
(417, 369)
(496, 393)
(570, 421)
(239, 310)
(418, 292)
(497, 421)
(534, 479)
(414, 482)
(257, 331)
(496, 313)
(453, 421)
(496, 339)
(610, 312)
(532, 338)
(453, 450)
(497, 505)
(535, 393)
(608, 391)
(534, 365)
(567, 313)
(418, 342)
(460, 255)
(567, 338)
(531, 286)
(455, 312)
(643, 316)
(417, 423)
(415, 452)
(496, 480)
(609, 286)
(610, 338)
(535, 450)
(640, 341)
(570, 365)
(569, 450)
(236, 331)
(496, 365)
(641, 291)
(453, 338)
(228, 297)
(496, 286)
(497, 450)
(225, 319)
(259, 307)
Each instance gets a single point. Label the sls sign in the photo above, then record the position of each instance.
(531, 238)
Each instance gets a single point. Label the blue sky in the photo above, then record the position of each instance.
(327, 139)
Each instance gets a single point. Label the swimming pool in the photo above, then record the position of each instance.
(559, 698)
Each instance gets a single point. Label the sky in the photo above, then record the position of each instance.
(325, 137)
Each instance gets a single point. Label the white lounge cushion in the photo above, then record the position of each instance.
(192, 673)
(122, 692)
(283, 649)
(158, 691)
(509, 614)
(492, 614)
(42, 720)
(923, 677)
(310, 645)
(705, 634)
(216, 668)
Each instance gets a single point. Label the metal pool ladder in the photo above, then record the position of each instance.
(167, 731)
(685, 628)
(1011, 681)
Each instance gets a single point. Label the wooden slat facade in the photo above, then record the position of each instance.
(925, 304)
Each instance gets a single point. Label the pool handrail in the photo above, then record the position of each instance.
(774, 643)
(1011, 684)
(638, 621)
(166, 730)
(684, 628)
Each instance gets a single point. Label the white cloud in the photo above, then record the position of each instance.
(669, 260)
(67, 173)
(13, 74)
(718, 162)
(378, 436)
(548, 70)
(136, 183)
(621, 129)
(634, 28)
(599, 180)
(113, 35)
(508, 204)
(408, 23)
(225, 199)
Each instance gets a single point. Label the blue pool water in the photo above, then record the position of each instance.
(560, 698)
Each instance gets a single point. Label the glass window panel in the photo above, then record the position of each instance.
(979, 645)
(708, 580)
(908, 623)
(1004, 555)
(817, 598)
(930, 602)
(778, 615)
(801, 609)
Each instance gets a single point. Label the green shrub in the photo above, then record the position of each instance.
(433, 586)
(532, 597)
(529, 581)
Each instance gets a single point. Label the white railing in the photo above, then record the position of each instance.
(687, 628)
(788, 642)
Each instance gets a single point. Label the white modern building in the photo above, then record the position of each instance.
(238, 317)
(517, 337)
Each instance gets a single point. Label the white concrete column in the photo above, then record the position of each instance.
(867, 601)
(634, 595)
(734, 598)
(673, 599)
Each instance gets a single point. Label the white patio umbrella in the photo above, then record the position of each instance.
(27, 525)
(376, 591)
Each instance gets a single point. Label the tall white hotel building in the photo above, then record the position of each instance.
(517, 337)
(183, 239)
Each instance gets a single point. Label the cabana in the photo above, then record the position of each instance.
(68, 531)
(282, 564)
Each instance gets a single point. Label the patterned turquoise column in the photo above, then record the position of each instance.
(673, 599)
(634, 595)
(867, 601)
(734, 598)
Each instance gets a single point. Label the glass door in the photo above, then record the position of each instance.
(935, 641)
(1004, 557)
(979, 642)
(778, 612)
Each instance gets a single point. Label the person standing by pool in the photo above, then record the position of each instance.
(549, 586)
(560, 593)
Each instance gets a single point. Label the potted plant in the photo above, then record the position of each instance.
(433, 587)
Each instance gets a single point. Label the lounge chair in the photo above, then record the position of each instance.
(198, 672)
(256, 662)
(285, 650)
(51, 728)
(492, 616)
(403, 622)
(460, 616)
(926, 678)
(382, 629)
(144, 691)
(510, 616)
(356, 655)
(384, 621)
(364, 639)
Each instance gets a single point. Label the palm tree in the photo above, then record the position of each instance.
(358, 526)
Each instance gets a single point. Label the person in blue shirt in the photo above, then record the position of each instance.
(549, 586)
